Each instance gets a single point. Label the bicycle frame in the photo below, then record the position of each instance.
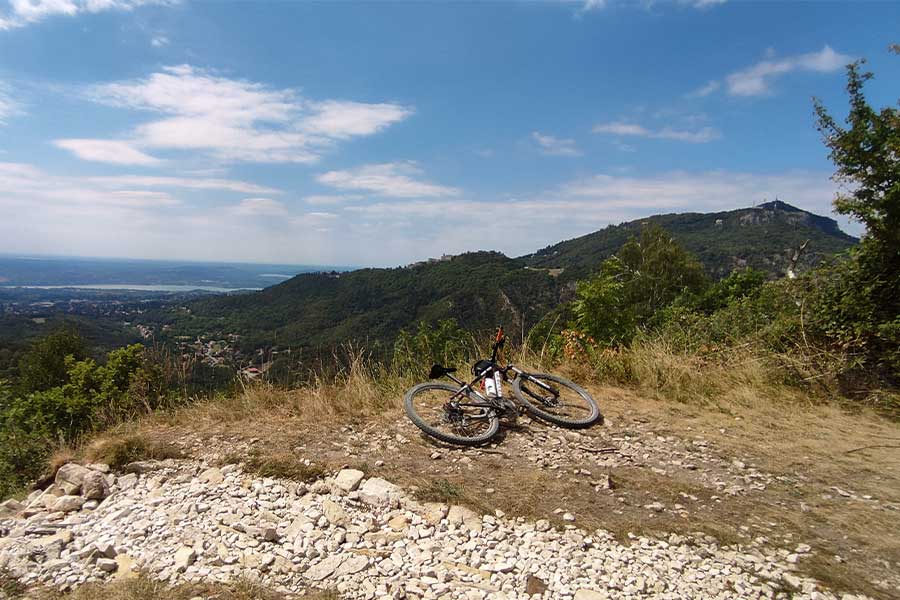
(487, 401)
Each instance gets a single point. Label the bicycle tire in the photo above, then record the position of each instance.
(541, 410)
(492, 418)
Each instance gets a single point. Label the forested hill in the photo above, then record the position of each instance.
(480, 289)
(764, 237)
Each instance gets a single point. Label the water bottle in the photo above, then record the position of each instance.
(490, 387)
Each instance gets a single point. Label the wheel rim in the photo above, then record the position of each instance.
(564, 403)
(434, 408)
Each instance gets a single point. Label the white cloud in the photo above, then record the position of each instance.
(392, 180)
(555, 146)
(108, 151)
(8, 106)
(228, 185)
(238, 120)
(703, 3)
(259, 207)
(590, 5)
(26, 12)
(430, 227)
(338, 119)
(757, 79)
(26, 184)
(159, 41)
(142, 217)
(699, 136)
(331, 199)
(318, 221)
(705, 90)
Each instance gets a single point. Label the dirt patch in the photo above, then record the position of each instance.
(787, 474)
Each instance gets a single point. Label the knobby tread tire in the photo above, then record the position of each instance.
(493, 419)
(535, 408)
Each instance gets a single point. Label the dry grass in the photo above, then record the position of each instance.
(10, 586)
(144, 588)
(282, 464)
(119, 450)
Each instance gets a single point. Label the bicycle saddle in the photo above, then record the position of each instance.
(438, 371)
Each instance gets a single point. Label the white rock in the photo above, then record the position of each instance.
(212, 476)
(378, 492)
(108, 565)
(184, 557)
(67, 504)
(323, 569)
(348, 480)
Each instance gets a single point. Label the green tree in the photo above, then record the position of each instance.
(44, 365)
(857, 301)
(646, 275)
(867, 157)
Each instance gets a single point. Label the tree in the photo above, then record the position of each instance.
(645, 276)
(857, 302)
(867, 157)
(44, 365)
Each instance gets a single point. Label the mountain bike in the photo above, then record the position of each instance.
(469, 413)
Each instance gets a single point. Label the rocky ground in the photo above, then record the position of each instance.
(659, 502)
(185, 521)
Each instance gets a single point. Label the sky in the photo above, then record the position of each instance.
(382, 133)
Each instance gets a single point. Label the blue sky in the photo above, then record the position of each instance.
(381, 133)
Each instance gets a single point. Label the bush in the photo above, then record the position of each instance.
(644, 277)
(445, 343)
(44, 365)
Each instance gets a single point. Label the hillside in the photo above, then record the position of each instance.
(481, 289)
(763, 237)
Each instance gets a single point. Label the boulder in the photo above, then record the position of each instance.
(70, 477)
(10, 507)
(184, 557)
(433, 512)
(462, 516)
(323, 569)
(107, 565)
(335, 513)
(94, 486)
(67, 504)
(212, 476)
(348, 480)
(379, 492)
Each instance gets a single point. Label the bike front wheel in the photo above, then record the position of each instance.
(556, 400)
(467, 421)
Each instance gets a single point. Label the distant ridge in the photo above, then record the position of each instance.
(763, 237)
(479, 289)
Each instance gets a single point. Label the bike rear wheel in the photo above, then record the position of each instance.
(565, 404)
(428, 406)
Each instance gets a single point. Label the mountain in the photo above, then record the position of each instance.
(763, 237)
(481, 289)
